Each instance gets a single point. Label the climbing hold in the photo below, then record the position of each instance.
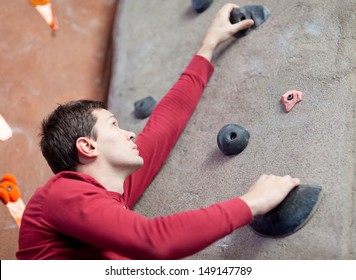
(201, 5)
(291, 214)
(257, 13)
(10, 194)
(232, 139)
(144, 107)
(9, 191)
(290, 98)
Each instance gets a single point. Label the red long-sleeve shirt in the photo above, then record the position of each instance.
(74, 217)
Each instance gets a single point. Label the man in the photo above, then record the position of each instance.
(83, 212)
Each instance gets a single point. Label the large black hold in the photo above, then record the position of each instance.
(232, 139)
(144, 107)
(257, 13)
(291, 214)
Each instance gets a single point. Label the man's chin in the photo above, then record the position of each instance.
(139, 164)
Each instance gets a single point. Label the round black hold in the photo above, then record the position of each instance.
(201, 5)
(290, 97)
(232, 139)
(144, 107)
(236, 16)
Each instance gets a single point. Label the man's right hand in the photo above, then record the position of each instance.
(268, 192)
(220, 30)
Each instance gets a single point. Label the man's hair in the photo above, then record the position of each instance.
(61, 129)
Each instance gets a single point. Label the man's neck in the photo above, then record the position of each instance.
(112, 180)
(111, 183)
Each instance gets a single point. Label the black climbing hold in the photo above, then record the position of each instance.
(232, 139)
(144, 107)
(201, 5)
(291, 214)
(257, 13)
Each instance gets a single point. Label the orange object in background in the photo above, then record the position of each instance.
(44, 7)
(39, 2)
(10, 194)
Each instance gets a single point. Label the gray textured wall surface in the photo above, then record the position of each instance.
(304, 45)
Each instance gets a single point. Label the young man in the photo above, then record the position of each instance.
(83, 212)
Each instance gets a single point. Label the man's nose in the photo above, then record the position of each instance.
(131, 135)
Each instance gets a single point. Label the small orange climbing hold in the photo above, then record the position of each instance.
(10, 194)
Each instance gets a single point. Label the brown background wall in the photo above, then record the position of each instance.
(39, 70)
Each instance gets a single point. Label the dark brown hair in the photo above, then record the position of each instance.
(61, 129)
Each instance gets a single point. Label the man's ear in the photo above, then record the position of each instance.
(86, 147)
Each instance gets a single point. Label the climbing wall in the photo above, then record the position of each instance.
(307, 46)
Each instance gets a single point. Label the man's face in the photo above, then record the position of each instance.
(115, 145)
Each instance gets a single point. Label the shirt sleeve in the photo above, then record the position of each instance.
(95, 218)
(166, 124)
